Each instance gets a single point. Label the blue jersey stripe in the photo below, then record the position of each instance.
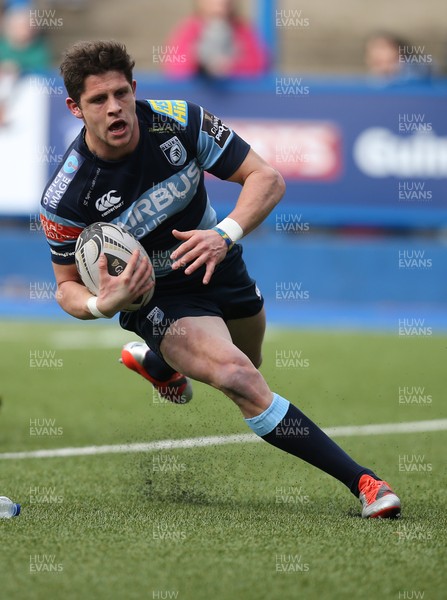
(161, 201)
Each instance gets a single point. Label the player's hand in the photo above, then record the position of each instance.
(200, 247)
(117, 292)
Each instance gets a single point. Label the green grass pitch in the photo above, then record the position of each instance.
(239, 521)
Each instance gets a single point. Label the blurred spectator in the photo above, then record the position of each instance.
(215, 42)
(390, 58)
(23, 50)
(16, 4)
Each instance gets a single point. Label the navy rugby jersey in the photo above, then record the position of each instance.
(156, 188)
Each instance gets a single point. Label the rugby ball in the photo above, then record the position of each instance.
(117, 246)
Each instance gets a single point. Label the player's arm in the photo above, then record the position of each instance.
(262, 189)
(72, 295)
(115, 292)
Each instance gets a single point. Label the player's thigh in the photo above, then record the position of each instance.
(193, 345)
(202, 348)
(248, 334)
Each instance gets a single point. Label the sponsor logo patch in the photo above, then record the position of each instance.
(214, 127)
(108, 201)
(60, 183)
(176, 109)
(58, 232)
(71, 164)
(174, 151)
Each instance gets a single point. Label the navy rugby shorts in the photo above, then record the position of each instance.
(231, 294)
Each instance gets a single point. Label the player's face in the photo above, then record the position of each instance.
(107, 107)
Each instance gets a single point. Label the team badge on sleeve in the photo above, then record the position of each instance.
(174, 151)
(214, 127)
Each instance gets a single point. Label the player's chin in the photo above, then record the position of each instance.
(119, 140)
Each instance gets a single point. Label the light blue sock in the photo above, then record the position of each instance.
(267, 421)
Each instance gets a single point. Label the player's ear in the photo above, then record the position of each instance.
(73, 107)
(134, 86)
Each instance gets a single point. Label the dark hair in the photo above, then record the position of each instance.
(93, 58)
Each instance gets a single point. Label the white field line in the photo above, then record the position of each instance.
(96, 335)
(219, 440)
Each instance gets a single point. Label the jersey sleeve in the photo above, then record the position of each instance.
(219, 149)
(60, 225)
(61, 236)
(216, 146)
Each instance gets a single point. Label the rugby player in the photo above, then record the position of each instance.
(140, 164)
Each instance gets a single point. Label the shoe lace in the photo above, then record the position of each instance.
(369, 489)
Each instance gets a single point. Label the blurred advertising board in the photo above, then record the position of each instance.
(352, 153)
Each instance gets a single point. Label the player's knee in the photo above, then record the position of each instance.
(239, 379)
(255, 358)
